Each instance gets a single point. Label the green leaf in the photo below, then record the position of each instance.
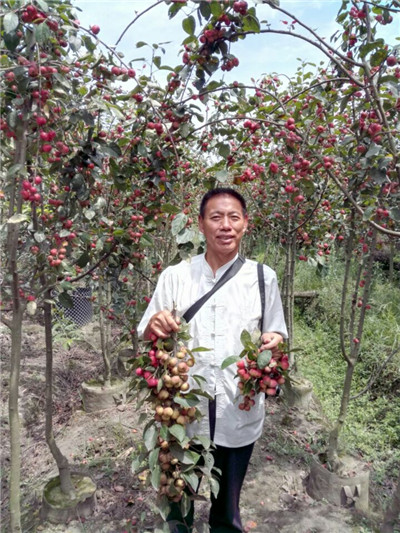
(43, 6)
(178, 432)
(75, 43)
(140, 44)
(200, 349)
(222, 175)
(155, 477)
(216, 9)
(66, 300)
(11, 40)
(150, 437)
(368, 47)
(186, 504)
(187, 235)
(245, 337)
(373, 150)
(14, 169)
(229, 361)
(178, 223)
(189, 25)
(214, 485)
(191, 479)
(89, 214)
(203, 440)
(186, 402)
(39, 236)
(146, 240)
(251, 23)
(42, 33)
(169, 208)
(17, 219)
(263, 359)
(224, 150)
(173, 10)
(395, 213)
(83, 260)
(153, 458)
(10, 22)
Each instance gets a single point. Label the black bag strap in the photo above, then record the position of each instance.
(232, 271)
(261, 285)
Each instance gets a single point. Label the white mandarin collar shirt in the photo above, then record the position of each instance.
(217, 326)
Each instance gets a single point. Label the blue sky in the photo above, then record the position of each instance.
(257, 55)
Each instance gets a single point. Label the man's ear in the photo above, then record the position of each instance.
(200, 223)
(246, 218)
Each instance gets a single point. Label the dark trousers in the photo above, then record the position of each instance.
(224, 512)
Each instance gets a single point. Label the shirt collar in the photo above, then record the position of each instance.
(207, 270)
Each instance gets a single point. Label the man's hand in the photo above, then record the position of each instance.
(162, 325)
(270, 341)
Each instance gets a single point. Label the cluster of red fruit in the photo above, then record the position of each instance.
(230, 64)
(56, 256)
(164, 372)
(29, 191)
(255, 376)
(240, 7)
(31, 14)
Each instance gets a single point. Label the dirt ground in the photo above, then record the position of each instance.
(274, 499)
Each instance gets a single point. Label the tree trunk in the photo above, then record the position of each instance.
(15, 208)
(15, 427)
(105, 327)
(334, 434)
(66, 484)
(392, 512)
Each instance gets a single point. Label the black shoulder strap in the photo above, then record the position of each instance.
(232, 270)
(261, 284)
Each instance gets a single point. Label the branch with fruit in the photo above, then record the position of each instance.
(168, 460)
(257, 371)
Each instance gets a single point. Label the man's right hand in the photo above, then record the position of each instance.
(161, 324)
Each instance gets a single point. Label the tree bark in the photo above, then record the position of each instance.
(66, 484)
(392, 513)
(16, 336)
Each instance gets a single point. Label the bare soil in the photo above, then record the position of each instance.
(274, 499)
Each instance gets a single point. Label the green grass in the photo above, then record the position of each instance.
(372, 428)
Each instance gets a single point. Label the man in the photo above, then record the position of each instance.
(217, 325)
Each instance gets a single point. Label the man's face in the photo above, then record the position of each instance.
(223, 226)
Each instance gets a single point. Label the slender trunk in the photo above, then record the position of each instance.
(392, 511)
(15, 427)
(104, 330)
(333, 443)
(15, 208)
(66, 484)
(351, 359)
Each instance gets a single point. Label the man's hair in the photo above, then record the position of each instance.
(219, 191)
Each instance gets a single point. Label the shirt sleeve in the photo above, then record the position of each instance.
(274, 318)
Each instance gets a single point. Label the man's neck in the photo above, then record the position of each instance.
(216, 262)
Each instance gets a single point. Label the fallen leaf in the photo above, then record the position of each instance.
(119, 488)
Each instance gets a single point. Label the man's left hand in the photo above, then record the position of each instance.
(270, 341)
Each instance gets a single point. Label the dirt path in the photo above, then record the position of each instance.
(273, 497)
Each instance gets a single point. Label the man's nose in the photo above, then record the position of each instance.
(225, 222)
